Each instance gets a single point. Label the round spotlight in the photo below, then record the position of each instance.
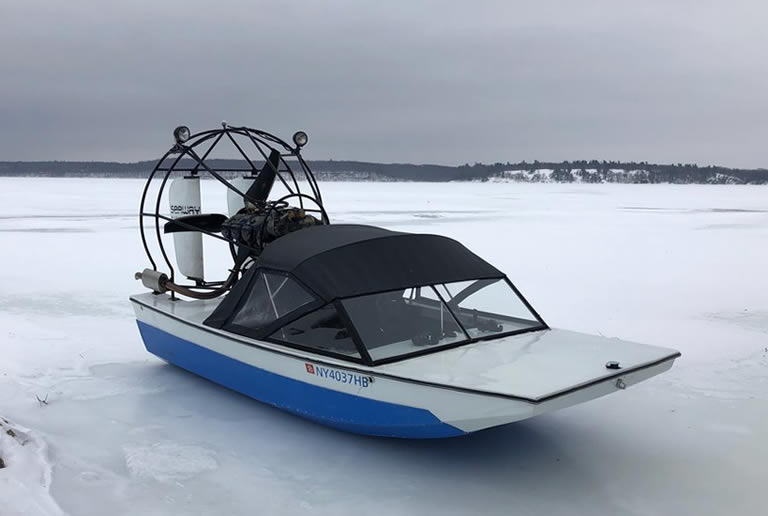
(181, 134)
(300, 138)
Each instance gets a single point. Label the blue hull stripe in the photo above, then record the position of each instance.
(336, 409)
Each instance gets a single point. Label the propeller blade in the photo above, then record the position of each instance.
(210, 222)
(259, 190)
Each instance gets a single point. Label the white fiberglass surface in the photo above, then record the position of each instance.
(532, 365)
(125, 433)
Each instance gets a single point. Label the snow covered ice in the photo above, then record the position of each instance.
(121, 432)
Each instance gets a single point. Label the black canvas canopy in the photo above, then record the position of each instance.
(345, 260)
(369, 295)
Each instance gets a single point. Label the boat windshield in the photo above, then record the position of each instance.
(487, 307)
(403, 322)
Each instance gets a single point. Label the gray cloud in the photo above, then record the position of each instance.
(436, 82)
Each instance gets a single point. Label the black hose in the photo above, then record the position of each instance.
(187, 291)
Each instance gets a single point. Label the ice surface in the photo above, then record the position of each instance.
(124, 433)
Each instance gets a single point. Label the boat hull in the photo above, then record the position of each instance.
(377, 401)
(336, 409)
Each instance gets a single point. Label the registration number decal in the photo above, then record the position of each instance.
(338, 375)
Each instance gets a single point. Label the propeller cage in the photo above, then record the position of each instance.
(261, 158)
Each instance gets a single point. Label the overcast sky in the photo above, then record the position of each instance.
(393, 81)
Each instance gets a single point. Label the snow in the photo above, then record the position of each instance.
(123, 433)
(25, 474)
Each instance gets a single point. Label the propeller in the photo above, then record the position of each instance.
(212, 222)
(259, 190)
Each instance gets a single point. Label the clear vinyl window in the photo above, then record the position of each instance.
(487, 307)
(271, 297)
(322, 329)
(402, 322)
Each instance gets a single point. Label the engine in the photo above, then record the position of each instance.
(257, 226)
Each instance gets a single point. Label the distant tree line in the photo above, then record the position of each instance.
(593, 171)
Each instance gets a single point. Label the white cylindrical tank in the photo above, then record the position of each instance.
(184, 197)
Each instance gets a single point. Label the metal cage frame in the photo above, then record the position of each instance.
(265, 143)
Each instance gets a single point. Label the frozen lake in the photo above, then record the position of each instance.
(124, 433)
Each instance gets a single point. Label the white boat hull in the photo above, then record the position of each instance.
(391, 400)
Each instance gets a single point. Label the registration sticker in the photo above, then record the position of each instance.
(339, 375)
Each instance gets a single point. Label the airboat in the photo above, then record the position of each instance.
(360, 328)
